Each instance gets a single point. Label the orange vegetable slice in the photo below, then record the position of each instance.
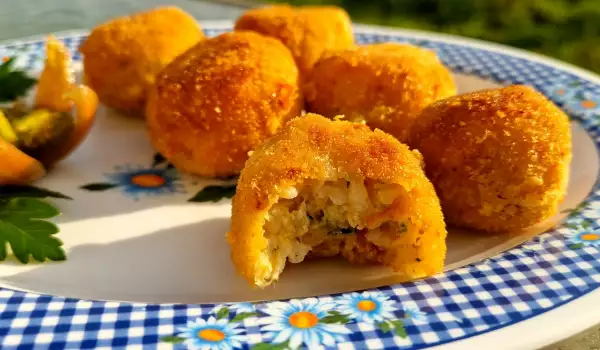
(17, 167)
(57, 91)
(56, 79)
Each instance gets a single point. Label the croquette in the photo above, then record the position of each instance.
(499, 158)
(122, 57)
(220, 99)
(322, 188)
(386, 85)
(308, 31)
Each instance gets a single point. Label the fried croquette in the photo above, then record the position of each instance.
(308, 31)
(323, 187)
(122, 57)
(385, 84)
(499, 158)
(220, 99)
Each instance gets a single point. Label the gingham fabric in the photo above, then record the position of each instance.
(524, 282)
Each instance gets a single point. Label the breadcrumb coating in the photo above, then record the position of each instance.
(308, 31)
(324, 188)
(122, 57)
(499, 158)
(220, 99)
(385, 84)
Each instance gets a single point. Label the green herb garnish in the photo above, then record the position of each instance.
(342, 231)
(13, 83)
(402, 228)
(23, 224)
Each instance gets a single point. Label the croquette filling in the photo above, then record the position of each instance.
(355, 219)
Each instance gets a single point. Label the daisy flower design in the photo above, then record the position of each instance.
(369, 307)
(237, 307)
(585, 104)
(560, 91)
(413, 313)
(585, 238)
(138, 180)
(212, 334)
(302, 322)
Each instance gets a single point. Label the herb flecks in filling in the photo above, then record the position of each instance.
(343, 217)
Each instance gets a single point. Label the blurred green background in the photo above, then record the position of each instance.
(565, 29)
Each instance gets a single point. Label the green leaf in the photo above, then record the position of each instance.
(32, 208)
(385, 327)
(214, 194)
(585, 225)
(172, 339)
(158, 159)
(13, 83)
(576, 246)
(242, 316)
(7, 66)
(268, 346)
(577, 209)
(399, 329)
(340, 319)
(31, 237)
(99, 186)
(3, 252)
(11, 191)
(223, 313)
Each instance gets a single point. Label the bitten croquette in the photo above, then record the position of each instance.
(499, 158)
(122, 57)
(220, 99)
(323, 187)
(386, 85)
(308, 31)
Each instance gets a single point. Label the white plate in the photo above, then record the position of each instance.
(162, 249)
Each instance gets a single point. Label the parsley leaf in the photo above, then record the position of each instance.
(13, 83)
(22, 227)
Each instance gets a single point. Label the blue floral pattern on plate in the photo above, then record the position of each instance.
(549, 271)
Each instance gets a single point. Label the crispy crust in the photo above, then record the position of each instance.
(499, 158)
(308, 31)
(385, 84)
(313, 147)
(220, 99)
(122, 57)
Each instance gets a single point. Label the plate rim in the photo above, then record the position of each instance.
(568, 329)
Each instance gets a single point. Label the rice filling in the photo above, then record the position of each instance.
(331, 218)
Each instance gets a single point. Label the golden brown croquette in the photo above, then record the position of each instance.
(499, 158)
(321, 187)
(385, 84)
(308, 31)
(122, 57)
(220, 99)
